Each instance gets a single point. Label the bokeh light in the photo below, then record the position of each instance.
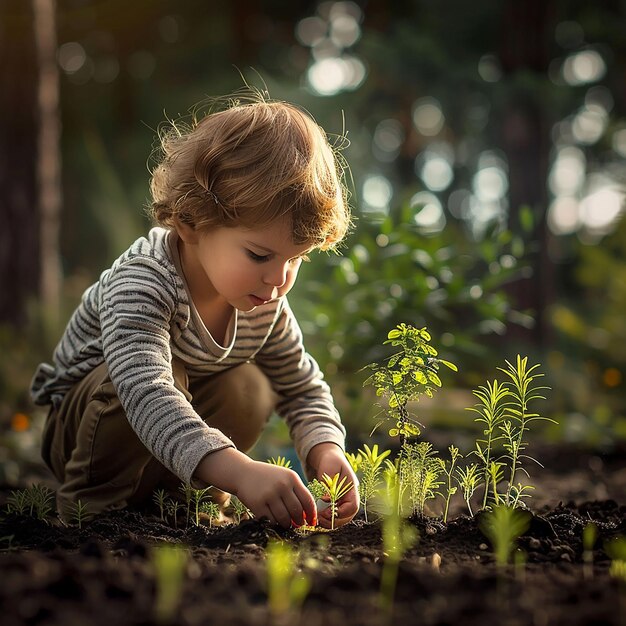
(428, 116)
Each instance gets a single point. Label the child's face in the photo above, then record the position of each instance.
(248, 267)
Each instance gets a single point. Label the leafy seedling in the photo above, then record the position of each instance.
(240, 509)
(448, 469)
(503, 525)
(371, 467)
(160, 499)
(78, 513)
(419, 474)
(335, 489)
(280, 461)
(398, 537)
(287, 587)
(468, 479)
(169, 563)
(212, 511)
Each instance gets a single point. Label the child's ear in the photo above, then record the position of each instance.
(185, 231)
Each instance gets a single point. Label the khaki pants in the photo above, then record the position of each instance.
(94, 453)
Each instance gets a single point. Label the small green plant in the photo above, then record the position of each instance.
(239, 508)
(398, 537)
(590, 534)
(286, 586)
(212, 511)
(18, 502)
(169, 563)
(318, 489)
(78, 513)
(616, 549)
(336, 489)
(173, 506)
(160, 499)
(468, 479)
(198, 496)
(371, 466)
(409, 373)
(503, 410)
(448, 470)
(503, 525)
(354, 460)
(281, 461)
(188, 493)
(419, 474)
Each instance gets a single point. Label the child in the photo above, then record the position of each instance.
(171, 365)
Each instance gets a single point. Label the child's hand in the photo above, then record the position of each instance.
(328, 458)
(267, 490)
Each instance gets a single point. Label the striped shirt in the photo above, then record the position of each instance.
(139, 314)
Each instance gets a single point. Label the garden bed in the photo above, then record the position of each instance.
(104, 572)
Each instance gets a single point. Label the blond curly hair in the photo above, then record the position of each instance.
(248, 164)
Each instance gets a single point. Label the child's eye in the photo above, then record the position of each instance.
(258, 258)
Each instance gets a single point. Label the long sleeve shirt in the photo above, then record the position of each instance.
(139, 314)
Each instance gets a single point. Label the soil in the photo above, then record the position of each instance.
(103, 573)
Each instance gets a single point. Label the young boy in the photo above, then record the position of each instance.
(176, 357)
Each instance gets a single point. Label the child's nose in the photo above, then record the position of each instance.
(277, 276)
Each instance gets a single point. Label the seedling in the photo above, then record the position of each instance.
(468, 479)
(371, 466)
(18, 502)
(590, 534)
(188, 492)
(354, 460)
(503, 409)
(286, 586)
(419, 473)
(448, 470)
(281, 461)
(172, 507)
(502, 526)
(409, 373)
(160, 499)
(240, 508)
(616, 549)
(318, 489)
(78, 513)
(336, 489)
(169, 562)
(212, 510)
(197, 497)
(398, 537)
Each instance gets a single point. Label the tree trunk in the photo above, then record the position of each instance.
(19, 231)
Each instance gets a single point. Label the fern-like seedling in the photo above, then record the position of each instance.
(335, 489)
(160, 499)
(468, 479)
(280, 461)
(448, 469)
(371, 466)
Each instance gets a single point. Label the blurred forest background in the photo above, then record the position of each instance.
(487, 143)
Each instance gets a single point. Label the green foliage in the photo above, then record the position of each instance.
(406, 375)
(468, 479)
(398, 537)
(287, 587)
(317, 489)
(36, 501)
(78, 513)
(502, 525)
(212, 510)
(616, 549)
(198, 496)
(419, 472)
(448, 469)
(504, 413)
(240, 509)
(336, 489)
(160, 498)
(370, 466)
(280, 461)
(169, 563)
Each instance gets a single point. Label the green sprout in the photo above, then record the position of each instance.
(286, 586)
(169, 563)
(336, 489)
(590, 534)
(212, 510)
(280, 461)
(616, 549)
(419, 473)
(318, 489)
(198, 496)
(354, 460)
(371, 466)
(78, 513)
(398, 537)
(172, 507)
(18, 502)
(468, 479)
(160, 499)
(240, 508)
(448, 470)
(409, 373)
(188, 492)
(502, 525)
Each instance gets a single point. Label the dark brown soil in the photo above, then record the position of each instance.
(103, 574)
